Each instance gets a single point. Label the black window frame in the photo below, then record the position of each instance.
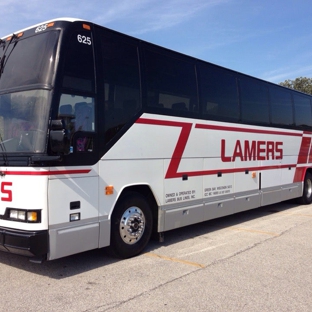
(277, 107)
(183, 104)
(299, 124)
(254, 102)
(220, 73)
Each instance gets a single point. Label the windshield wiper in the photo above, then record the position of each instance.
(2, 60)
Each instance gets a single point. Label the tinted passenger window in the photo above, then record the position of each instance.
(121, 82)
(171, 82)
(302, 110)
(281, 107)
(218, 93)
(254, 101)
(79, 65)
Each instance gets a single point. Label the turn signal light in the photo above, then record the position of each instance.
(32, 216)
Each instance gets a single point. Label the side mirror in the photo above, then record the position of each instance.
(57, 125)
(58, 139)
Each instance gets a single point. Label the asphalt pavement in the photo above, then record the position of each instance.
(258, 260)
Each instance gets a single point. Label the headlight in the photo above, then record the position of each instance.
(13, 214)
(31, 216)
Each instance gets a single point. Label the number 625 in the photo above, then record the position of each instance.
(84, 39)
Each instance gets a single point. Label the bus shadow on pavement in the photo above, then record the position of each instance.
(63, 267)
(93, 259)
(206, 227)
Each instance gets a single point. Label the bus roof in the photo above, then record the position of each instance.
(65, 19)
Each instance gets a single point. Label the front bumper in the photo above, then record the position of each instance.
(26, 243)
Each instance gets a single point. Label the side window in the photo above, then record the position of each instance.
(254, 101)
(281, 106)
(79, 65)
(121, 82)
(218, 93)
(302, 110)
(77, 113)
(171, 82)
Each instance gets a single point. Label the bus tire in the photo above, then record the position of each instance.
(131, 226)
(306, 197)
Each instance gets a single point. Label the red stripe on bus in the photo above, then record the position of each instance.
(178, 151)
(245, 130)
(304, 157)
(156, 122)
(176, 157)
(227, 171)
(299, 174)
(310, 156)
(304, 150)
(49, 172)
(172, 171)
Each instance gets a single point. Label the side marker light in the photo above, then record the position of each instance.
(109, 190)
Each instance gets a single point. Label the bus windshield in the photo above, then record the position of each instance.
(24, 121)
(26, 74)
(28, 61)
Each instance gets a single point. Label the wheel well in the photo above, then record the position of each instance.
(305, 172)
(308, 170)
(148, 194)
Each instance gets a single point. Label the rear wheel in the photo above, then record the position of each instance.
(131, 225)
(306, 197)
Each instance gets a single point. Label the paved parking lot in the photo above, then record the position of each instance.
(258, 260)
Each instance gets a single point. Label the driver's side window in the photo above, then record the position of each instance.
(77, 113)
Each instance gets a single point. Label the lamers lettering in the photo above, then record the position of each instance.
(253, 150)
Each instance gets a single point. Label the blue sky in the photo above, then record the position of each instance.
(268, 39)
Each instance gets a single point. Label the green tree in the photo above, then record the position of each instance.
(302, 84)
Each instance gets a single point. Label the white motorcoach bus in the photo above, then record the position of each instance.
(105, 138)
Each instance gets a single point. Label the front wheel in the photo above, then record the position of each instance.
(306, 197)
(131, 225)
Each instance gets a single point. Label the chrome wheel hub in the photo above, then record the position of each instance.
(132, 225)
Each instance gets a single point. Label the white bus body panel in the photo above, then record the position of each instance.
(73, 193)
(197, 169)
(29, 191)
